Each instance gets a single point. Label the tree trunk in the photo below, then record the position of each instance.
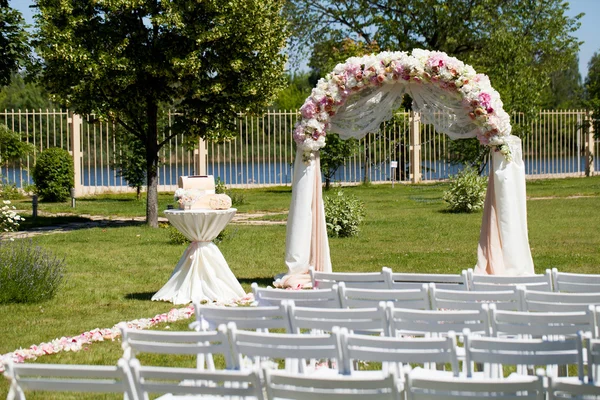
(152, 165)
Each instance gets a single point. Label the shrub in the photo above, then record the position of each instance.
(467, 191)
(53, 174)
(343, 214)
(237, 198)
(9, 218)
(28, 273)
(9, 191)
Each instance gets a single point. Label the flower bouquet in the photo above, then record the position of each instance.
(186, 197)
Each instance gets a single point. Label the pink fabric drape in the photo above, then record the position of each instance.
(489, 251)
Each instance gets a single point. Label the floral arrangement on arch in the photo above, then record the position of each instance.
(480, 101)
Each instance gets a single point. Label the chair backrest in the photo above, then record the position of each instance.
(404, 280)
(494, 353)
(417, 298)
(359, 320)
(224, 384)
(556, 301)
(539, 282)
(435, 322)
(322, 298)
(394, 353)
(281, 385)
(539, 324)
(69, 378)
(575, 283)
(423, 386)
(593, 359)
(253, 318)
(507, 299)
(308, 350)
(363, 280)
(568, 388)
(203, 344)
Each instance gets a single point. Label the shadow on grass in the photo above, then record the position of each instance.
(139, 296)
(262, 281)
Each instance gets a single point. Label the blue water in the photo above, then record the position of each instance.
(281, 173)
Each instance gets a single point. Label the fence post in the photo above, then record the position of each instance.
(589, 145)
(75, 121)
(415, 146)
(201, 158)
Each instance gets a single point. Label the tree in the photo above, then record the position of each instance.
(293, 95)
(519, 44)
(592, 91)
(14, 46)
(131, 162)
(124, 60)
(23, 95)
(565, 90)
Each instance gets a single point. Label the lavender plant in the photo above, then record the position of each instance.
(28, 273)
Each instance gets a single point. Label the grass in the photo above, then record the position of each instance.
(113, 272)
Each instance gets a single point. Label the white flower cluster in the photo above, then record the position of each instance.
(9, 218)
(187, 196)
(481, 103)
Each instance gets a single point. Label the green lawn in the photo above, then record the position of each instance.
(113, 272)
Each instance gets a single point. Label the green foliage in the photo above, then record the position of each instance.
(14, 47)
(131, 161)
(23, 95)
(237, 198)
(335, 154)
(12, 147)
(565, 90)
(220, 187)
(9, 191)
(468, 152)
(466, 193)
(28, 273)
(125, 60)
(519, 44)
(53, 175)
(592, 81)
(293, 95)
(343, 214)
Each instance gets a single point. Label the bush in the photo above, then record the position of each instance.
(467, 191)
(28, 273)
(343, 214)
(9, 218)
(9, 191)
(53, 175)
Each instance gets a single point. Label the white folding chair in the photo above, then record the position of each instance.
(302, 353)
(203, 345)
(417, 298)
(433, 323)
(422, 386)
(539, 324)
(395, 353)
(575, 283)
(539, 282)
(253, 318)
(571, 389)
(358, 320)
(494, 353)
(507, 299)
(363, 280)
(321, 298)
(69, 378)
(221, 384)
(593, 359)
(556, 301)
(403, 280)
(282, 385)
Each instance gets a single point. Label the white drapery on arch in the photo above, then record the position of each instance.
(364, 92)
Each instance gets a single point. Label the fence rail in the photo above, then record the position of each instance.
(556, 144)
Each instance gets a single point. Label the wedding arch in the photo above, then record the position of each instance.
(363, 92)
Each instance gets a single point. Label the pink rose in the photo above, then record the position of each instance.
(308, 109)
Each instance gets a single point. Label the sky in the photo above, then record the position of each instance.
(588, 33)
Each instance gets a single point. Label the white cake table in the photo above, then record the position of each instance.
(202, 272)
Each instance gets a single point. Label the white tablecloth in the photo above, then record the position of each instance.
(202, 272)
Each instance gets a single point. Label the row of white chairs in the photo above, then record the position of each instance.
(551, 280)
(388, 320)
(428, 297)
(138, 382)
